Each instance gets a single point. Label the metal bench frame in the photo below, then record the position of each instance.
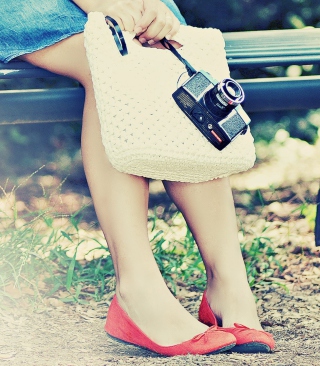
(244, 50)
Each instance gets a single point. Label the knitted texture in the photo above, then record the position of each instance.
(143, 131)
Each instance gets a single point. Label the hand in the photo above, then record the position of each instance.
(127, 13)
(156, 23)
(151, 20)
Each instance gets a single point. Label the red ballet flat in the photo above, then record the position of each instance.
(248, 340)
(121, 328)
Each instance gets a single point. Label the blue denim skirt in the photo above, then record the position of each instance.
(28, 26)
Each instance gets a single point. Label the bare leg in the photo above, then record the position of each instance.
(121, 202)
(209, 211)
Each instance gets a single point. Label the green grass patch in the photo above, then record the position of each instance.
(41, 259)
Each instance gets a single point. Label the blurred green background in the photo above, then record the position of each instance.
(24, 148)
(238, 15)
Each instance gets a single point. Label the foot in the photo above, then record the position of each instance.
(233, 303)
(120, 327)
(248, 340)
(158, 314)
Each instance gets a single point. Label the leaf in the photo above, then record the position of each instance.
(70, 271)
(67, 236)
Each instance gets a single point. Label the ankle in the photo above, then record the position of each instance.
(227, 273)
(233, 304)
(139, 289)
(232, 291)
(226, 283)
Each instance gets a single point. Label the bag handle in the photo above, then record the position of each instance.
(117, 35)
(122, 47)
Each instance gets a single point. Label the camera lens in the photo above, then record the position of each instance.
(232, 92)
(224, 97)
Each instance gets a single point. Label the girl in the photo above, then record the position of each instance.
(49, 34)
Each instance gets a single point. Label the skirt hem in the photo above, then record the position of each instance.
(40, 46)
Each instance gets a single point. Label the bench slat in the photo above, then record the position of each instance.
(244, 49)
(66, 104)
(277, 94)
(38, 106)
(15, 70)
(271, 48)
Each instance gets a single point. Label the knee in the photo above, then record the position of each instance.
(67, 58)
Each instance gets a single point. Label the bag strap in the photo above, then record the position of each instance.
(117, 35)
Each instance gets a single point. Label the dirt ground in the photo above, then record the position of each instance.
(64, 335)
(61, 334)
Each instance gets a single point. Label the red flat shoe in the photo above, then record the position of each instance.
(248, 340)
(121, 328)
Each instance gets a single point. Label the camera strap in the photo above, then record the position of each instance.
(190, 69)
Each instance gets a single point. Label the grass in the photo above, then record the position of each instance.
(37, 262)
(41, 259)
(35, 255)
(177, 259)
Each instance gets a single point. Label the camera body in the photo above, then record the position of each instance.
(214, 107)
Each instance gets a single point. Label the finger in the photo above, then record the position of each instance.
(126, 13)
(147, 18)
(175, 28)
(162, 26)
(135, 10)
(118, 20)
(159, 26)
(128, 22)
(136, 16)
(167, 29)
(125, 20)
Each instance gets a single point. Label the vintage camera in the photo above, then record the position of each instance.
(214, 107)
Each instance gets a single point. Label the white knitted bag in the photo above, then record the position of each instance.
(143, 131)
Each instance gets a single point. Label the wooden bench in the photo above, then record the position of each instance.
(251, 50)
